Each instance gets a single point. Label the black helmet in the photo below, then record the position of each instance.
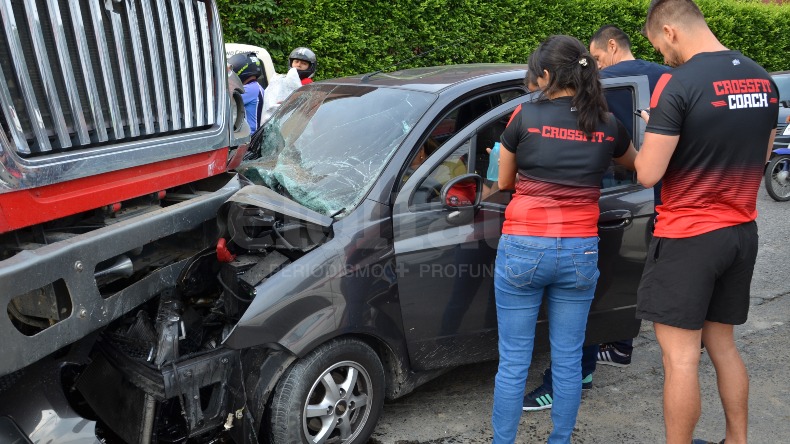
(308, 56)
(246, 65)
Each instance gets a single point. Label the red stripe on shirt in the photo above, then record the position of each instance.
(515, 111)
(552, 210)
(662, 82)
(695, 202)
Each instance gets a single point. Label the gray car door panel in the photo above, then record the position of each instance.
(446, 271)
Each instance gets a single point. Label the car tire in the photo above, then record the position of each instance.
(333, 395)
(777, 178)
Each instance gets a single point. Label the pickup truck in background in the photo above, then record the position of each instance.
(263, 55)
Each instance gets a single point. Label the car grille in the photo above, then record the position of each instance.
(81, 73)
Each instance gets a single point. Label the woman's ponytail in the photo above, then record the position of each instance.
(571, 66)
(588, 98)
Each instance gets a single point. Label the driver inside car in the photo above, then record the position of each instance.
(431, 187)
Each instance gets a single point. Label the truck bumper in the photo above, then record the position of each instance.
(71, 264)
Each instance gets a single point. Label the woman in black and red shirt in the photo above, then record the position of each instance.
(555, 152)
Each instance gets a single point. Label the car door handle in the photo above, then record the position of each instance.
(614, 219)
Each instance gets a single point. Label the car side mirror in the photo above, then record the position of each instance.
(785, 103)
(461, 196)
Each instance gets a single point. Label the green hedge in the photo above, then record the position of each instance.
(352, 37)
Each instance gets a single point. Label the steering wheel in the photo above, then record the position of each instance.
(430, 190)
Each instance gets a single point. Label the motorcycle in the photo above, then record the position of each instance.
(777, 175)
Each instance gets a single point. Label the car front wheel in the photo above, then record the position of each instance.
(333, 395)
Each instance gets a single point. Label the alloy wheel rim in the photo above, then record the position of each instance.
(337, 406)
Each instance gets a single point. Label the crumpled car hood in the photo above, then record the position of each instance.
(263, 197)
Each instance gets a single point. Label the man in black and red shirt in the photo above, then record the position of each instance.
(708, 137)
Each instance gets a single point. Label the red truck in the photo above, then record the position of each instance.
(118, 125)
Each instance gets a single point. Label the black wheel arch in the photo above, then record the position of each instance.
(263, 366)
(279, 422)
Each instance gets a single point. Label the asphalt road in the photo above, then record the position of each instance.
(624, 405)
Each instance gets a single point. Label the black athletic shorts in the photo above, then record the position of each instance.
(706, 277)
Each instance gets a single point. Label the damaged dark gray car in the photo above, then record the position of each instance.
(355, 265)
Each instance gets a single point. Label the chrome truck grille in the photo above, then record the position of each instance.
(82, 74)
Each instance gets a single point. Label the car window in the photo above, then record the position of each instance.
(617, 176)
(622, 103)
(455, 120)
(486, 164)
(783, 84)
(454, 165)
(472, 156)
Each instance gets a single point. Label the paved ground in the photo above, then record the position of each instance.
(625, 404)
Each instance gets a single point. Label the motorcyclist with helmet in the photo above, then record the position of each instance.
(248, 67)
(302, 64)
(304, 60)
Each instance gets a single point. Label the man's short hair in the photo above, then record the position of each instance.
(607, 32)
(677, 12)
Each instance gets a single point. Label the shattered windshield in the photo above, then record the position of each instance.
(327, 144)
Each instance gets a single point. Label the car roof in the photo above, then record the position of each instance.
(434, 79)
(780, 73)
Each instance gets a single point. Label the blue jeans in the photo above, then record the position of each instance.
(566, 269)
(589, 363)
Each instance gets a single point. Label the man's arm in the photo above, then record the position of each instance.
(652, 160)
(770, 145)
